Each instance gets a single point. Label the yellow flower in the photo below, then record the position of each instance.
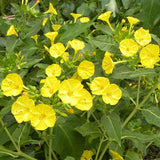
(21, 109)
(85, 69)
(75, 16)
(87, 155)
(57, 50)
(11, 31)
(84, 19)
(85, 102)
(65, 57)
(116, 155)
(44, 22)
(77, 45)
(128, 47)
(56, 27)
(43, 117)
(51, 85)
(53, 70)
(51, 36)
(132, 21)
(159, 86)
(112, 94)
(142, 36)
(51, 9)
(76, 76)
(35, 37)
(12, 85)
(38, 1)
(98, 85)
(105, 17)
(70, 91)
(107, 64)
(149, 55)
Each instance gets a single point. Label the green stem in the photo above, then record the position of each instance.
(138, 106)
(9, 135)
(99, 147)
(74, 56)
(50, 143)
(104, 150)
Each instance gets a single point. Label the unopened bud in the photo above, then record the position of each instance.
(124, 29)
(123, 21)
(71, 111)
(94, 53)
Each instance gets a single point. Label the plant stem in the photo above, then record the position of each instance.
(138, 106)
(104, 150)
(98, 150)
(50, 143)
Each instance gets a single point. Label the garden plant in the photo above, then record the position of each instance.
(79, 80)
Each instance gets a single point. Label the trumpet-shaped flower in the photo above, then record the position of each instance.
(132, 21)
(53, 70)
(85, 102)
(70, 91)
(22, 108)
(44, 21)
(57, 50)
(142, 36)
(51, 9)
(75, 16)
(51, 36)
(98, 85)
(116, 155)
(128, 47)
(11, 31)
(86, 69)
(12, 85)
(56, 27)
(35, 37)
(65, 57)
(149, 55)
(112, 94)
(105, 17)
(77, 45)
(107, 64)
(51, 85)
(43, 117)
(84, 19)
(87, 155)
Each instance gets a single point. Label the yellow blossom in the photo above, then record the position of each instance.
(38, 1)
(116, 155)
(44, 22)
(51, 9)
(65, 57)
(149, 55)
(98, 85)
(142, 36)
(107, 64)
(43, 117)
(76, 76)
(75, 16)
(105, 17)
(70, 91)
(21, 109)
(132, 21)
(57, 50)
(56, 27)
(128, 47)
(53, 70)
(11, 31)
(84, 19)
(86, 69)
(77, 45)
(51, 36)
(35, 37)
(51, 85)
(87, 155)
(12, 85)
(85, 102)
(112, 94)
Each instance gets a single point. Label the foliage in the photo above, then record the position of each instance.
(79, 79)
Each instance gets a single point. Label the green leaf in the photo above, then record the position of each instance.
(71, 31)
(122, 72)
(112, 125)
(156, 38)
(104, 43)
(3, 42)
(89, 129)
(126, 3)
(66, 141)
(152, 115)
(132, 155)
(69, 158)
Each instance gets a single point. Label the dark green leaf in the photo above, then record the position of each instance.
(132, 155)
